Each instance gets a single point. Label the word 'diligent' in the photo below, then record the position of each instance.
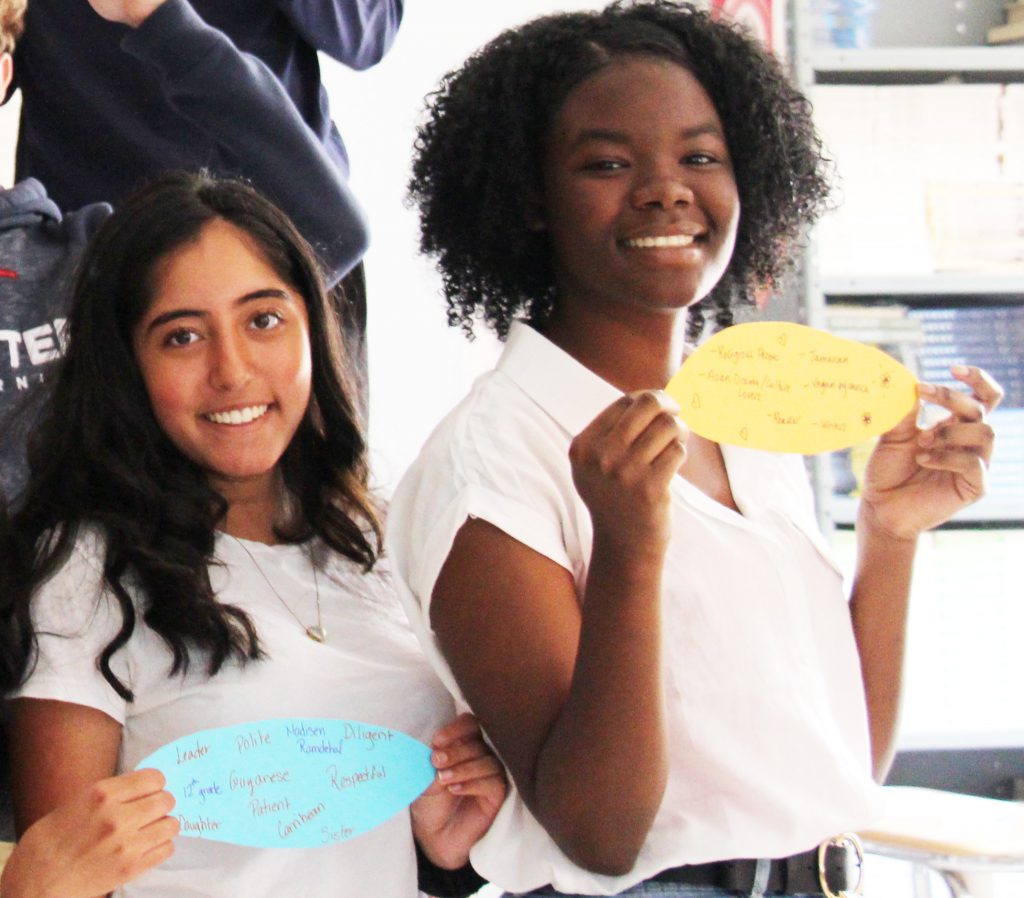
(291, 783)
(789, 388)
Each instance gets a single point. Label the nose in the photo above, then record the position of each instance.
(663, 190)
(230, 362)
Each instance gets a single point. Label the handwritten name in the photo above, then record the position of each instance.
(347, 781)
(284, 830)
(323, 747)
(301, 729)
(252, 783)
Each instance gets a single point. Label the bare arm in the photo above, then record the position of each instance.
(571, 697)
(58, 751)
(916, 480)
(108, 834)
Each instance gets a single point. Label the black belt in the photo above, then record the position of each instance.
(834, 870)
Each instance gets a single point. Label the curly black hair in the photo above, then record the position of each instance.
(477, 162)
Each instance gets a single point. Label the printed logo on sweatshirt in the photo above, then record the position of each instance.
(22, 353)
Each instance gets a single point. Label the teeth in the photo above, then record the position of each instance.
(661, 242)
(238, 415)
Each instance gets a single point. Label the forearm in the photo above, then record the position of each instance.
(239, 102)
(600, 775)
(878, 608)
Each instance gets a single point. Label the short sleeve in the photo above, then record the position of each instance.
(497, 459)
(75, 618)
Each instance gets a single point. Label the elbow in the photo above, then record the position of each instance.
(604, 830)
(351, 246)
(606, 841)
(604, 856)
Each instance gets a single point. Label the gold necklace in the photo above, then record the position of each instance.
(316, 632)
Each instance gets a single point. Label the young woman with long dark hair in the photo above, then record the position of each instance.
(197, 545)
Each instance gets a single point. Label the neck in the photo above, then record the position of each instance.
(253, 508)
(638, 352)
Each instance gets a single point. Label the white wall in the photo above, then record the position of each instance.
(419, 367)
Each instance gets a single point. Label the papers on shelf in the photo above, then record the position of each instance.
(909, 160)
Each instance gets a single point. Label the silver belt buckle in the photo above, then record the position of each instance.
(840, 841)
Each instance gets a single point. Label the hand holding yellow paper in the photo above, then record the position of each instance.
(789, 388)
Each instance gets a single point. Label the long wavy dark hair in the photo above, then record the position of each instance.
(98, 458)
(478, 157)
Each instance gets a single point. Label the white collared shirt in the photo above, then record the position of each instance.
(766, 715)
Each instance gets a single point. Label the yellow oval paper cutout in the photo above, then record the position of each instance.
(789, 388)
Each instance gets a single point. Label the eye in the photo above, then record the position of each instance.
(180, 337)
(604, 165)
(700, 158)
(265, 321)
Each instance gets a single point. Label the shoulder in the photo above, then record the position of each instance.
(498, 457)
(496, 446)
(70, 600)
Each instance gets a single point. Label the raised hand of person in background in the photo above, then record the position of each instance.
(127, 12)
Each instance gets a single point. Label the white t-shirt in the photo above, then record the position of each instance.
(766, 718)
(370, 669)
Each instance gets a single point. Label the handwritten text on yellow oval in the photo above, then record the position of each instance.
(790, 388)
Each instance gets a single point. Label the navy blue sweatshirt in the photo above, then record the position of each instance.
(94, 126)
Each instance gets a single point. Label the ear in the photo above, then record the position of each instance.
(6, 73)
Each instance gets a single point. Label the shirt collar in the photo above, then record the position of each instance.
(569, 392)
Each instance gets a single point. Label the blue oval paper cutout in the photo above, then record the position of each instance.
(291, 783)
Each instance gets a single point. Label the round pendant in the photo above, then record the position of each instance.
(317, 634)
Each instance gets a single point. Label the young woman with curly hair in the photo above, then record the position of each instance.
(647, 624)
(197, 547)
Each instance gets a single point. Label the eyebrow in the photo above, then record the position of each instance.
(610, 136)
(174, 314)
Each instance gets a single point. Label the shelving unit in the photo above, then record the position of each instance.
(912, 65)
(902, 66)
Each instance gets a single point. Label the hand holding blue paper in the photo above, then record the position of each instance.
(291, 783)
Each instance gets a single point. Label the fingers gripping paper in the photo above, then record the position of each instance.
(291, 783)
(789, 388)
